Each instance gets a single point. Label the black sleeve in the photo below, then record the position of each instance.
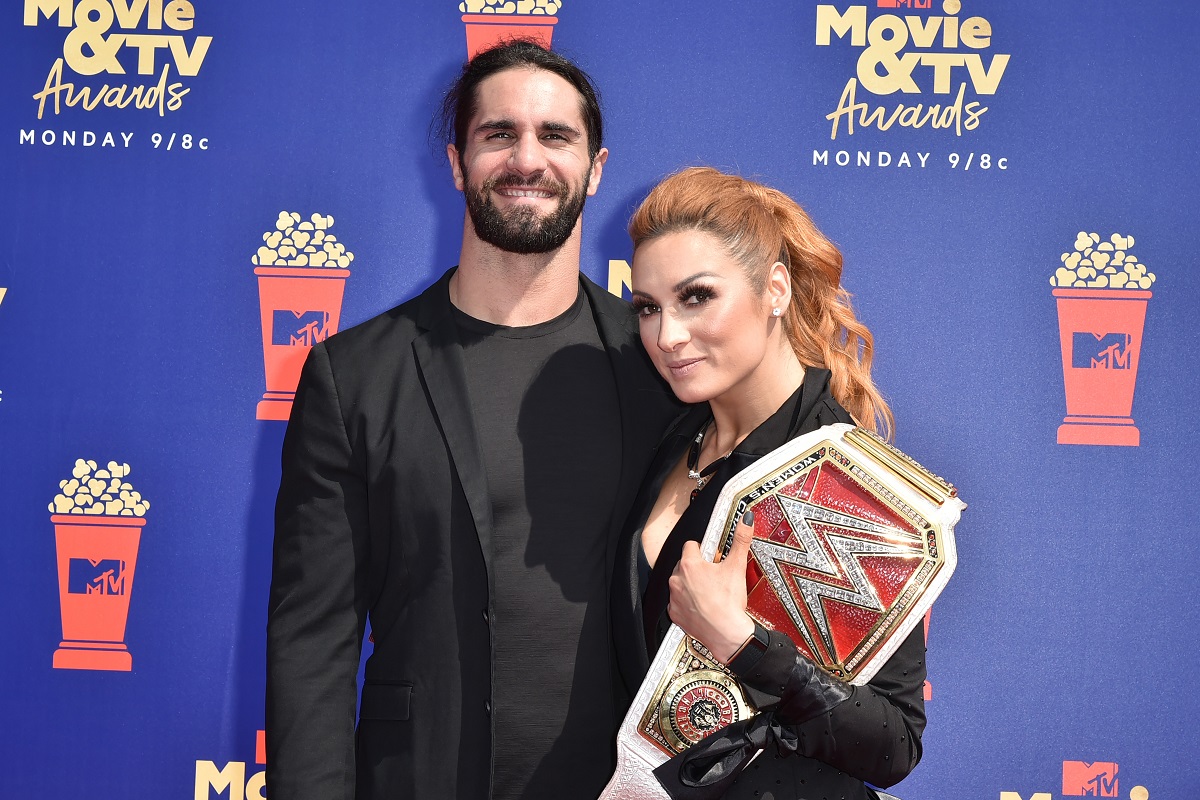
(872, 732)
(318, 606)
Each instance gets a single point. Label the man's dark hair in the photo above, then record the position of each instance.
(460, 101)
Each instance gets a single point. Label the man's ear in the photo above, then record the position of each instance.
(455, 166)
(596, 171)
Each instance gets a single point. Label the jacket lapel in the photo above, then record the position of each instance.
(632, 374)
(440, 357)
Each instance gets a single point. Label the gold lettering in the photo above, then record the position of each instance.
(83, 14)
(256, 785)
(942, 63)
(854, 22)
(146, 44)
(179, 15)
(128, 13)
(888, 22)
(620, 277)
(104, 52)
(950, 33)
(923, 34)
(187, 63)
(847, 106)
(986, 82)
(898, 71)
(177, 92)
(976, 33)
(232, 777)
(48, 8)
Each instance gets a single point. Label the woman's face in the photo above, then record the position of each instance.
(706, 329)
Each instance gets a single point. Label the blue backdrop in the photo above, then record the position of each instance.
(131, 330)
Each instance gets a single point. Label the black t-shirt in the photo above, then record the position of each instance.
(544, 403)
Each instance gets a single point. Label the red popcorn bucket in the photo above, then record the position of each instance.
(299, 306)
(97, 559)
(488, 30)
(1100, 331)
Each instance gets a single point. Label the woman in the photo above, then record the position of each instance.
(741, 309)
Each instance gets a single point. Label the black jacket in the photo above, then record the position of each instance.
(872, 735)
(383, 511)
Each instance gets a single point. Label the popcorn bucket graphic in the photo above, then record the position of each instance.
(488, 30)
(1100, 331)
(97, 556)
(299, 306)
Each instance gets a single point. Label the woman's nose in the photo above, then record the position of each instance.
(671, 332)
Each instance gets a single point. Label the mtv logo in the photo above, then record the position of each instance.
(904, 3)
(1090, 778)
(299, 328)
(1092, 351)
(106, 576)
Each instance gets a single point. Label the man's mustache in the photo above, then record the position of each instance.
(521, 182)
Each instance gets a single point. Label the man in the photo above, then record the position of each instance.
(458, 469)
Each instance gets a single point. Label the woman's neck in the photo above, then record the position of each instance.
(744, 407)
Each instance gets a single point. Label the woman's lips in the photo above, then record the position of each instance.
(682, 367)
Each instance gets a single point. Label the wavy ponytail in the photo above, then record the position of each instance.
(759, 226)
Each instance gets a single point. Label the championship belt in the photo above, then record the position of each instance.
(853, 541)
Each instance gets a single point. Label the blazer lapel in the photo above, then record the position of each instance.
(440, 358)
(618, 332)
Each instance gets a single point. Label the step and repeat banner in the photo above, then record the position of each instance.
(195, 192)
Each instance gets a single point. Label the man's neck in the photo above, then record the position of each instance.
(514, 289)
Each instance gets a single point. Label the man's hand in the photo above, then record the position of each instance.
(708, 600)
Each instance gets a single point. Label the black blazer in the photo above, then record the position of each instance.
(383, 511)
(875, 734)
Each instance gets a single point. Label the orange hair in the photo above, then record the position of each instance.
(759, 226)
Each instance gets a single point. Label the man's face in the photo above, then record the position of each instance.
(525, 170)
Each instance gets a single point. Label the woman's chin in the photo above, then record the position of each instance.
(689, 392)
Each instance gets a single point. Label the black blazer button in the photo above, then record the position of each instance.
(487, 707)
(486, 618)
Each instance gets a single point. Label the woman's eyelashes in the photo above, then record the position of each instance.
(696, 294)
(644, 307)
(691, 296)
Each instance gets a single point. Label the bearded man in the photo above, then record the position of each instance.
(456, 470)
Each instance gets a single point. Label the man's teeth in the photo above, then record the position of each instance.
(527, 193)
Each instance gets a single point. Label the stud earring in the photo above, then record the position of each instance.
(775, 312)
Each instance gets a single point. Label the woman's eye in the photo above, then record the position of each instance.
(696, 296)
(644, 308)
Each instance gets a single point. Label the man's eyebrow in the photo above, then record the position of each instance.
(496, 125)
(560, 127)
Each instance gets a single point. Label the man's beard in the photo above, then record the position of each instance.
(521, 230)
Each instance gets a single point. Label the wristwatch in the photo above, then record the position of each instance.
(751, 651)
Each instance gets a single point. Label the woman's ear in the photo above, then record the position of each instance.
(779, 288)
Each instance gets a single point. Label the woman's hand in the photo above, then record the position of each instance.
(708, 600)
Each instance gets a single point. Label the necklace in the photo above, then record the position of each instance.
(701, 477)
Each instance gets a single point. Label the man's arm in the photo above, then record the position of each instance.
(318, 600)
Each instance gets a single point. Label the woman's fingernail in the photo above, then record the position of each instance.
(748, 518)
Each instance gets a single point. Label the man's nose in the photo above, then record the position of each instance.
(527, 156)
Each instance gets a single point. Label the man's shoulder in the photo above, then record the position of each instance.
(396, 327)
(614, 314)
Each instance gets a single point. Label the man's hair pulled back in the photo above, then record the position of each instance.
(463, 95)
